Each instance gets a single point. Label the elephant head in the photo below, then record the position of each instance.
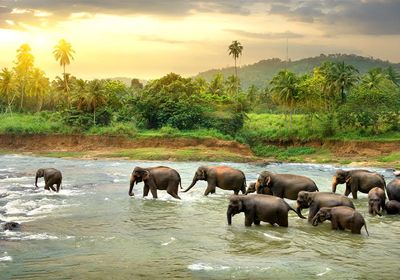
(323, 214)
(340, 177)
(264, 181)
(376, 199)
(251, 188)
(304, 200)
(235, 206)
(138, 175)
(201, 174)
(39, 174)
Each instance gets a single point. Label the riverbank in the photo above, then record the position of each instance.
(357, 153)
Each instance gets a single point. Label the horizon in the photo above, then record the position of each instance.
(147, 40)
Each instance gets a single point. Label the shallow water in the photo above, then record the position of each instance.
(93, 229)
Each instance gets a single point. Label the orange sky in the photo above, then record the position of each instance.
(147, 39)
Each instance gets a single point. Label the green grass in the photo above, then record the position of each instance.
(293, 154)
(390, 158)
(63, 154)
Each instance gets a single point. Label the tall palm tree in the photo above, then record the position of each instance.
(393, 75)
(7, 87)
(63, 53)
(23, 67)
(285, 90)
(39, 87)
(95, 97)
(235, 50)
(373, 78)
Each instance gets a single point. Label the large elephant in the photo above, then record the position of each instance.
(156, 178)
(392, 207)
(283, 185)
(341, 217)
(224, 177)
(51, 176)
(393, 189)
(317, 200)
(258, 207)
(357, 180)
(376, 201)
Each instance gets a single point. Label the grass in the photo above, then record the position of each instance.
(63, 154)
(293, 154)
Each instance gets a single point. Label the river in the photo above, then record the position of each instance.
(92, 229)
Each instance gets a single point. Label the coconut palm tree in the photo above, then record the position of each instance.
(235, 50)
(23, 67)
(7, 87)
(373, 78)
(95, 96)
(285, 90)
(39, 87)
(393, 75)
(63, 53)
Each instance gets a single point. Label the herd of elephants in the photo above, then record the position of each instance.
(268, 204)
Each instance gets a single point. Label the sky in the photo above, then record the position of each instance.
(147, 39)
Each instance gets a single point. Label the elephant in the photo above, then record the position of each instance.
(283, 185)
(392, 207)
(259, 207)
(357, 180)
(393, 189)
(376, 201)
(341, 217)
(224, 177)
(159, 177)
(12, 226)
(51, 176)
(317, 200)
(251, 188)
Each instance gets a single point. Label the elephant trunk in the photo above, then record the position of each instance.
(229, 216)
(131, 187)
(191, 185)
(334, 184)
(36, 179)
(315, 220)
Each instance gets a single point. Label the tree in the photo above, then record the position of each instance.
(235, 50)
(393, 75)
(23, 67)
(39, 87)
(63, 53)
(285, 90)
(7, 87)
(373, 78)
(95, 96)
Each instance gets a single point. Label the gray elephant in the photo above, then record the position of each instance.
(51, 176)
(393, 189)
(376, 201)
(251, 188)
(392, 207)
(283, 185)
(12, 226)
(224, 177)
(156, 178)
(258, 207)
(341, 217)
(316, 200)
(357, 180)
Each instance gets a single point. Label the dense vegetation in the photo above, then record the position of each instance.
(333, 100)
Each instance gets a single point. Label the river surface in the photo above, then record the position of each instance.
(92, 229)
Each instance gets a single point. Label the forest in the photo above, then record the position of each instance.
(332, 100)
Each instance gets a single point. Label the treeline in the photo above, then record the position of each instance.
(334, 96)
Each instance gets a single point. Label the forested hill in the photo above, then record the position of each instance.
(260, 73)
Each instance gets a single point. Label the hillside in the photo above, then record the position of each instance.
(260, 73)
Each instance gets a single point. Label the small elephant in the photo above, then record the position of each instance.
(258, 207)
(357, 180)
(51, 176)
(341, 217)
(392, 207)
(224, 177)
(156, 178)
(11, 226)
(393, 189)
(317, 200)
(376, 201)
(283, 185)
(251, 188)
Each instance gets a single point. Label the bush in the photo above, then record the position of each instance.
(119, 129)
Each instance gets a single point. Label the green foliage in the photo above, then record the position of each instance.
(282, 153)
(115, 129)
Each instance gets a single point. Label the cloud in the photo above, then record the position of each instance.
(369, 17)
(265, 36)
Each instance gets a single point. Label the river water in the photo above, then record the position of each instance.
(92, 229)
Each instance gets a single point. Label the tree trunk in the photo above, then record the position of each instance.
(94, 116)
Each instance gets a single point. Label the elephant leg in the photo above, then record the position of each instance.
(236, 192)
(257, 221)
(347, 191)
(58, 187)
(154, 192)
(354, 192)
(249, 218)
(312, 212)
(53, 188)
(334, 224)
(173, 191)
(146, 190)
(210, 189)
(283, 221)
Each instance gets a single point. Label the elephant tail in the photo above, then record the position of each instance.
(180, 181)
(297, 212)
(365, 225)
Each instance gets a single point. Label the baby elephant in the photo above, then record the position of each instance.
(259, 207)
(341, 217)
(51, 176)
(392, 207)
(376, 201)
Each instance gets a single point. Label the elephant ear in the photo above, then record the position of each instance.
(309, 199)
(146, 175)
(269, 180)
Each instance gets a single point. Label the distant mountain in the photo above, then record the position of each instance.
(127, 81)
(261, 73)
